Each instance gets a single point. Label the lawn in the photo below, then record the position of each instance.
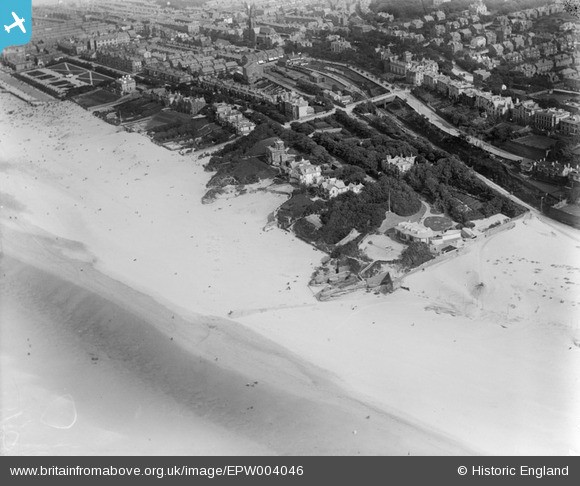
(139, 109)
(65, 68)
(438, 223)
(96, 98)
(91, 77)
(391, 219)
(536, 141)
(294, 208)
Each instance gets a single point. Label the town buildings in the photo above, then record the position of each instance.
(294, 106)
(550, 118)
(304, 172)
(229, 116)
(523, 113)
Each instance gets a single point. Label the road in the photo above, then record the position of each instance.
(445, 126)
(419, 107)
(433, 117)
(311, 117)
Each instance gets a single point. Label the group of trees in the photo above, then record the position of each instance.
(308, 87)
(505, 78)
(367, 154)
(362, 54)
(180, 130)
(442, 179)
(415, 254)
(366, 211)
(311, 126)
(441, 184)
(271, 110)
(139, 108)
(424, 149)
(172, 131)
(563, 151)
(266, 128)
(478, 160)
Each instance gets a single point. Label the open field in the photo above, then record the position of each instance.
(167, 117)
(536, 141)
(438, 223)
(96, 98)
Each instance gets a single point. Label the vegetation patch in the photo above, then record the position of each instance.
(416, 254)
(438, 223)
(96, 98)
(243, 171)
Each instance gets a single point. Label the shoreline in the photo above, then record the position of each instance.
(439, 354)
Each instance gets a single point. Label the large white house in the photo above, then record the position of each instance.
(304, 172)
(409, 231)
(402, 163)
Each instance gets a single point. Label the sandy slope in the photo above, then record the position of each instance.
(449, 367)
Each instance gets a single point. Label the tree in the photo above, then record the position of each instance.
(501, 133)
(415, 254)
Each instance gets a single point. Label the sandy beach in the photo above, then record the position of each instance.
(136, 320)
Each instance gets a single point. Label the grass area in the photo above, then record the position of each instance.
(550, 24)
(252, 169)
(528, 152)
(82, 74)
(391, 219)
(138, 109)
(244, 171)
(66, 68)
(558, 96)
(293, 209)
(536, 141)
(96, 98)
(438, 223)
(61, 84)
(91, 77)
(167, 117)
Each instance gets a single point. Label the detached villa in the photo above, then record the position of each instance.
(402, 163)
(304, 172)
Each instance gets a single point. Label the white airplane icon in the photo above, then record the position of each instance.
(17, 23)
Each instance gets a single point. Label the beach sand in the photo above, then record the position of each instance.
(136, 320)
